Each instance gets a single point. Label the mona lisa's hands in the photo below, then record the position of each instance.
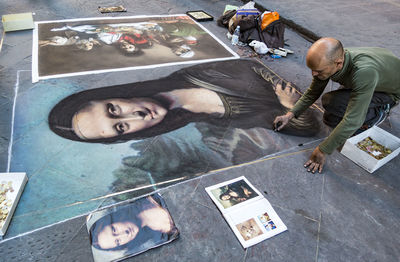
(287, 94)
(281, 121)
(157, 219)
(316, 161)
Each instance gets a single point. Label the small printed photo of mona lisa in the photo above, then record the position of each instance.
(234, 193)
(127, 230)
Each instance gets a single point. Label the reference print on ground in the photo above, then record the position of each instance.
(96, 45)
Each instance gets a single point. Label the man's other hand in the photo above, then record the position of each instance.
(281, 121)
(316, 161)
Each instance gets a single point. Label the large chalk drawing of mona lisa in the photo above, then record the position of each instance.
(231, 104)
(239, 93)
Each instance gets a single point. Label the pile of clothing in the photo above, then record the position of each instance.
(255, 27)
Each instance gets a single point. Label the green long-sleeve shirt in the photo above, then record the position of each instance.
(365, 70)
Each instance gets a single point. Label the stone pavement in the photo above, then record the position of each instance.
(344, 214)
(355, 23)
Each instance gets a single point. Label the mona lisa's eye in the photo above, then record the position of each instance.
(121, 127)
(139, 114)
(113, 110)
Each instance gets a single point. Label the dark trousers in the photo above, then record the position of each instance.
(335, 104)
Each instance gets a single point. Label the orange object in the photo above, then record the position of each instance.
(268, 18)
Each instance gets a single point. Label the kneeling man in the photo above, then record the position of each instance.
(370, 87)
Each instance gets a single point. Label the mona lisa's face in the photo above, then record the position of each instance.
(116, 117)
(117, 234)
(225, 197)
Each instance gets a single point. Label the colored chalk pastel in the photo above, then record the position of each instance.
(15, 22)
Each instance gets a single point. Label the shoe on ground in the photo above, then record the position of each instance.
(380, 117)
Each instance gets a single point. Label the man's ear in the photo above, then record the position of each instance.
(339, 62)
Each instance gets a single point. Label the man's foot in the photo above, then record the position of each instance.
(382, 114)
(380, 117)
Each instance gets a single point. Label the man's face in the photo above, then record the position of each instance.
(324, 68)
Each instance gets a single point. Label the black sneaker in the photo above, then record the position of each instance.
(382, 114)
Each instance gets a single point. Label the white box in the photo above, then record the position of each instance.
(363, 159)
(18, 183)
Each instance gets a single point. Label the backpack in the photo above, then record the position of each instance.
(251, 27)
(272, 35)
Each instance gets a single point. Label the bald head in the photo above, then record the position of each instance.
(325, 57)
(327, 47)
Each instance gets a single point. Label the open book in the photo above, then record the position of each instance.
(246, 210)
(129, 229)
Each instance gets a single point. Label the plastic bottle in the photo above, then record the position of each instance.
(235, 36)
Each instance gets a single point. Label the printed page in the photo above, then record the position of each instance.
(130, 229)
(255, 222)
(233, 194)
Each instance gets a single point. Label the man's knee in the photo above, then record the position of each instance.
(331, 119)
(330, 100)
(327, 99)
(336, 101)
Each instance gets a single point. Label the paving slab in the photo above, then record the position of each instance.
(360, 214)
